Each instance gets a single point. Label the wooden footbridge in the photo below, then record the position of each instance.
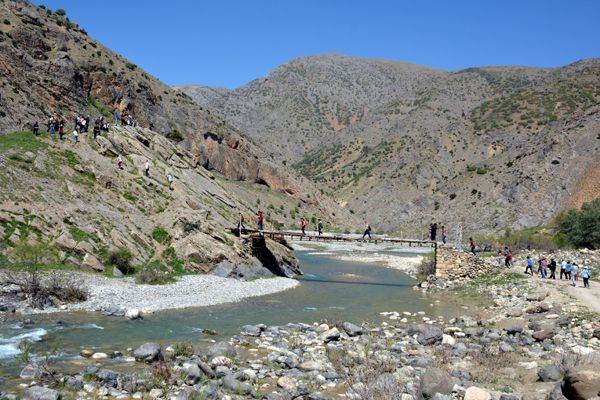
(314, 237)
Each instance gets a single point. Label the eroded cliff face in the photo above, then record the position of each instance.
(76, 202)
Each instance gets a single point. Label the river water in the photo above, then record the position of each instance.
(330, 289)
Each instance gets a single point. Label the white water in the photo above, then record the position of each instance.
(9, 346)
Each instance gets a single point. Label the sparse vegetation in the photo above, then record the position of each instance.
(160, 235)
(121, 259)
(426, 267)
(175, 135)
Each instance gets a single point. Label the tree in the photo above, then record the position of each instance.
(582, 227)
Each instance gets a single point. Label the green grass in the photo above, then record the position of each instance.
(23, 141)
(160, 235)
(129, 196)
(80, 236)
(497, 278)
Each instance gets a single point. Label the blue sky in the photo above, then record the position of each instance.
(229, 43)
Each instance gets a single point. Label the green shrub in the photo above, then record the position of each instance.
(154, 273)
(61, 12)
(121, 258)
(582, 227)
(160, 235)
(6, 22)
(131, 66)
(175, 135)
(183, 349)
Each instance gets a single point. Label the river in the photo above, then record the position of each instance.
(330, 289)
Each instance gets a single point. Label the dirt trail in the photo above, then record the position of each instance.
(590, 297)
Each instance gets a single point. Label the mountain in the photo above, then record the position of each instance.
(73, 197)
(402, 145)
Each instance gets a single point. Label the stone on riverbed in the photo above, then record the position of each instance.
(250, 330)
(40, 393)
(133, 313)
(351, 329)
(475, 393)
(430, 336)
(229, 382)
(330, 335)
(147, 352)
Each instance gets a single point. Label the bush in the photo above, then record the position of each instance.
(154, 273)
(121, 259)
(175, 135)
(582, 227)
(184, 349)
(160, 235)
(426, 267)
(61, 12)
(131, 66)
(6, 22)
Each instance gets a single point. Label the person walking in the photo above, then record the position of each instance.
(506, 253)
(432, 231)
(147, 168)
(261, 220)
(320, 227)
(552, 268)
(574, 272)
(367, 232)
(472, 245)
(444, 234)
(568, 268)
(36, 128)
(119, 162)
(544, 267)
(529, 266)
(563, 266)
(75, 136)
(303, 225)
(585, 275)
(170, 180)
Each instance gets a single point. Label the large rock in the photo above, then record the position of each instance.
(475, 393)
(277, 256)
(549, 373)
(582, 383)
(221, 349)
(540, 336)
(430, 336)
(229, 382)
(40, 393)
(351, 329)
(435, 381)
(147, 352)
(65, 242)
(250, 330)
(31, 372)
(91, 263)
(330, 335)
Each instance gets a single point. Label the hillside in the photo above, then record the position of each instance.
(74, 199)
(402, 145)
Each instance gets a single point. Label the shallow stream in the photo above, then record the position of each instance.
(330, 289)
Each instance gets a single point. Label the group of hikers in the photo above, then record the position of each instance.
(126, 120)
(569, 270)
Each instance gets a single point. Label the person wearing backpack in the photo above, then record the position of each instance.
(574, 272)
(585, 275)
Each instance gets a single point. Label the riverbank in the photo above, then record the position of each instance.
(116, 296)
(532, 341)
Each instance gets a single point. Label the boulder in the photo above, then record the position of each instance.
(133, 313)
(582, 383)
(221, 349)
(90, 262)
(148, 352)
(250, 330)
(475, 393)
(287, 383)
(230, 383)
(40, 393)
(65, 242)
(540, 336)
(31, 372)
(330, 335)
(430, 336)
(435, 381)
(192, 373)
(537, 296)
(351, 329)
(549, 373)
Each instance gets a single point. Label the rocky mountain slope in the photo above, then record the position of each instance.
(402, 145)
(75, 198)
